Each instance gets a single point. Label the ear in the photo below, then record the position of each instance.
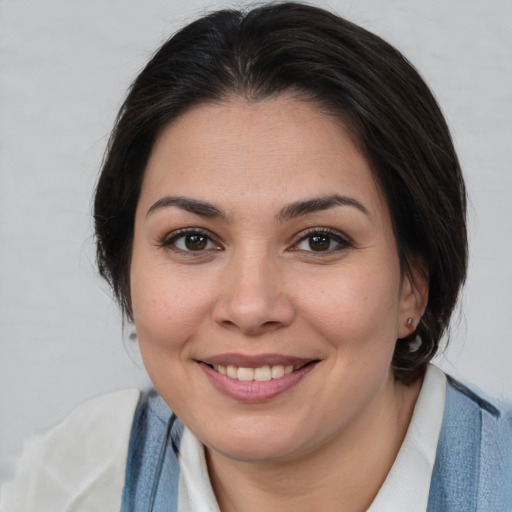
(413, 298)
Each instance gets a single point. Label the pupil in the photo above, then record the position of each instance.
(195, 242)
(319, 243)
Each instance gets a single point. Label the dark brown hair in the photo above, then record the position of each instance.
(356, 76)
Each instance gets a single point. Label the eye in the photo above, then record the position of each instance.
(191, 241)
(326, 240)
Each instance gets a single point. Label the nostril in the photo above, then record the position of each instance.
(271, 323)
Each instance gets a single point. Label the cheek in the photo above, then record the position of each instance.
(355, 308)
(166, 313)
(166, 319)
(167, 306)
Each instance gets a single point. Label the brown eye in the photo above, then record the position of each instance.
(322, 241)
(319, 243)
(195, 242)
(190, 242)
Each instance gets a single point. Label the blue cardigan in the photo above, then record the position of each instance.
(472, 470)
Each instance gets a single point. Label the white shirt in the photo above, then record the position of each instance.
(406, 487)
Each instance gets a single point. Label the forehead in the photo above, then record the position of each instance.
(254, 149)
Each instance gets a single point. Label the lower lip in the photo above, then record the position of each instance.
(252, 390)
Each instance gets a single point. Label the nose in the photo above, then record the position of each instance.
(252, 296)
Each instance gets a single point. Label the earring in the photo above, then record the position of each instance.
(409, 321)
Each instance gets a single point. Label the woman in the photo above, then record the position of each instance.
(281, 213)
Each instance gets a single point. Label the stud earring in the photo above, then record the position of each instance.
(409, 322)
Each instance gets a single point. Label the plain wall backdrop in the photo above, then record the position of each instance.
(65, 67)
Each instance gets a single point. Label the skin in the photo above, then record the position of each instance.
(260, 285)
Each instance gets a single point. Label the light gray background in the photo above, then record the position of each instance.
(65, 66)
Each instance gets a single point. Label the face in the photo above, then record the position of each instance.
(265, 282)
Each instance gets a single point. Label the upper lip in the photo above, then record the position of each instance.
(255, 361)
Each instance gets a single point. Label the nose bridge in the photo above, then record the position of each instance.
(252, 295)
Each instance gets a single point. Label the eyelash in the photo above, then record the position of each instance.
(331, 235)
(170, 241)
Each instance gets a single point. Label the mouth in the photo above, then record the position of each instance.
(256, 379)
(260, 374)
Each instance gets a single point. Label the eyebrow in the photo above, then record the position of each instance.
(290, 211)
(317, 204)
(201, 208)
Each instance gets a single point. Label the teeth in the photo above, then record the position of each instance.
(231, 371)
(245, 374)
(277, 371)
(261, 374)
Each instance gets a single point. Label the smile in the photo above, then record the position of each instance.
(256, 379)
(260, 374)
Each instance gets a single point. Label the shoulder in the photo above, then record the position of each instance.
(80, 464)
(473, 467)
(153, 468)
(478, 419)
(466, 399)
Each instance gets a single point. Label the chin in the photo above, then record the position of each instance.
(255, 451)
(260, 443)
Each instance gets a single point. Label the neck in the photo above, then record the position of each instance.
(343, 475)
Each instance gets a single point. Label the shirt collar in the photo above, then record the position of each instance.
(407, 485)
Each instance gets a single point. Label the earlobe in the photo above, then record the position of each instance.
(413, 301)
